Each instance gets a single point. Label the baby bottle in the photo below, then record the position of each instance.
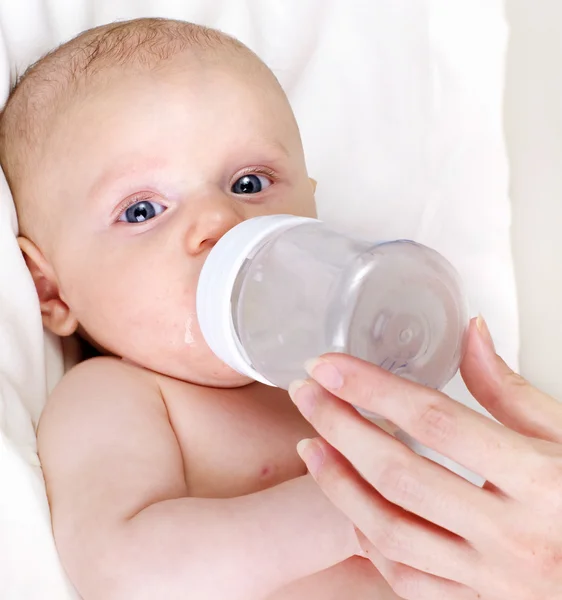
(278, 290)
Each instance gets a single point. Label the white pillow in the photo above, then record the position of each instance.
(400, 111)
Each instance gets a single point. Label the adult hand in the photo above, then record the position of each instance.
(433, 535)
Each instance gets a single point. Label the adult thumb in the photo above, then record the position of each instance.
(510, 398)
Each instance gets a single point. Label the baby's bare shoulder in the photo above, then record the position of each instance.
(106, 427)
(102, 386)
(103, 371)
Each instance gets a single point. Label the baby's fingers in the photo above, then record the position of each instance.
(411, 584)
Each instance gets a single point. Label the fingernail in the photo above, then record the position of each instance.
(324, 373)
(484, 332)
(304, 396)
(312, 455)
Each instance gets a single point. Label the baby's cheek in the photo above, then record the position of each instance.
(112, 309)
(157, 318)
(143, 309)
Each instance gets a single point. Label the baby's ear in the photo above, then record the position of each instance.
(313, 183)
(56, 314)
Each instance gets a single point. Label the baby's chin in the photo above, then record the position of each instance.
(232, 379)
(211, 372)
(193, 363)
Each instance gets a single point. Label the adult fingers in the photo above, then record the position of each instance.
(399, 535)
(504, 393)
(429, 416)
(412, 584)
(401, 476)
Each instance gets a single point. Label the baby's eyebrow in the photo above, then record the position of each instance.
(123, 170)
(266, 147)
(142, 165)
(277, 145)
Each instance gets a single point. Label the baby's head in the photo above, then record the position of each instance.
(130, 151)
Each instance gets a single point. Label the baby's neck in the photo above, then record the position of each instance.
(87, 350)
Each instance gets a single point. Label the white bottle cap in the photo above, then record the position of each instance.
(216, 281)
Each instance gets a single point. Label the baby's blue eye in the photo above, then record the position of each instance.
(141, 211)
(250, 184)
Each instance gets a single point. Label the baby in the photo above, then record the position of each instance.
(130, 151)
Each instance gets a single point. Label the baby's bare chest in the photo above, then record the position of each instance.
(236, 442)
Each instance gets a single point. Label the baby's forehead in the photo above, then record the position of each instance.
(83, 64)
(57, 88)
(80, 64)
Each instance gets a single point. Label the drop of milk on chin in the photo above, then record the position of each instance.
(188, 338)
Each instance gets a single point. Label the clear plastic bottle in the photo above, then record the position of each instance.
(278, 290)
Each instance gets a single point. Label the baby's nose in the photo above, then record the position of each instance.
(215, 216)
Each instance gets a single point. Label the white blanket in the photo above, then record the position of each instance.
(399, 102)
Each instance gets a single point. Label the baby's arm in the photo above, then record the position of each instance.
(123, 523)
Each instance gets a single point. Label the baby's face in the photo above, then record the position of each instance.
(143, 175)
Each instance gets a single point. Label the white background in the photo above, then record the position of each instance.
(533, 122)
